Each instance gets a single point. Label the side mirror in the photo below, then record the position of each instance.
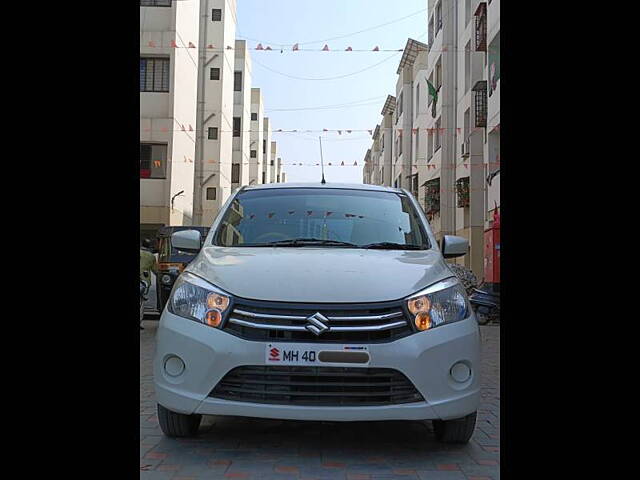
(453, 246)
(186, 240)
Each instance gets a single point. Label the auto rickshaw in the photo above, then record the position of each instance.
(172, 261)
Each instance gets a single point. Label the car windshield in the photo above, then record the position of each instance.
(296, 217)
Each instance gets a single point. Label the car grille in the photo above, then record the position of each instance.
(316, 386)
(347, 323)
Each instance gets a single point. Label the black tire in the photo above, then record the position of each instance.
(455, 431)
(175, 424)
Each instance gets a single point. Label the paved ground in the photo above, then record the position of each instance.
(253, 449)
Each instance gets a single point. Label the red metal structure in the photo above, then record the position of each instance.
(492, 250)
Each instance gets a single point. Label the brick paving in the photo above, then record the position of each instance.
(256, 449)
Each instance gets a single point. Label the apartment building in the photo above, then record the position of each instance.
(241, 115)
(454, 164)
(368, 173)
(266, 146)
(385, 158)
(256, 147)
(273, 169)
(168, 96)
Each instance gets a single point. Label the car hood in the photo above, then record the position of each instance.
(319, 275)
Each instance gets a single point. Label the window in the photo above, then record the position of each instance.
(439, 74)
(278, 179)
(437, 134)
(254, 153)
(214, 74)
(438, 17)
(211, 193)
(236, 126)
(154, 74)
(264, 146)
(467, 66)
(237, 81)
(480, 89)
(430, 97)
(417, 99)
(272, 163)
(417, 146)
(431, 35)
(429, 144)
(264, 177)
(254, 117)
(155, 3)
(216, 15)
(357, 216)
(235, 173)
(153, 160)
(213, 133)
(399, 145)
(399, 104)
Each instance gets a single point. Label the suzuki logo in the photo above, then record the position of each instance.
(317, 323)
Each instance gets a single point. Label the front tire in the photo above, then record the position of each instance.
(175, 424)
(455, 431)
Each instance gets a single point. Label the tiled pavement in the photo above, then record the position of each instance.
(236, 448)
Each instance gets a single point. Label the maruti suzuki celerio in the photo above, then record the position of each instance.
(319, 302)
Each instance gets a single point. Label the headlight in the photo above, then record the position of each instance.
(444, 302)
(198, 300)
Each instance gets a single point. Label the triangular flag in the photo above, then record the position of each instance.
(342, 164)
(182, 128)
(329, 163)
(376, 49)
(295, 47)
(190, 128)
(172, 44)
(152, 44)
(348, 131)
(370, 132)
(355, 164)
(325, 130)
(259, 47)
(191, 45)
(348, 49)
(268, 48)
(339, 132)
(325, 48)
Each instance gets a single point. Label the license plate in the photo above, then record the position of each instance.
(310, 354)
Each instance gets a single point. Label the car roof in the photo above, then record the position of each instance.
(344, 186)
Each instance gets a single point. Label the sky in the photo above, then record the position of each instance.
(312, 24)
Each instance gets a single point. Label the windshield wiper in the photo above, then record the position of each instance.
(393, 246)
(304, 242)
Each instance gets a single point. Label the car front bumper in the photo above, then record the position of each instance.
(425, 358)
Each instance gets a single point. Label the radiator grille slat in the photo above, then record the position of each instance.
(274, 321)
(321, 386)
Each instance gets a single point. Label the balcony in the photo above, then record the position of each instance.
(481, 27)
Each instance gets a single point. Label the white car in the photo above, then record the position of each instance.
(319, 302)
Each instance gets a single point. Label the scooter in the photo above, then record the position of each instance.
(485, 301)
